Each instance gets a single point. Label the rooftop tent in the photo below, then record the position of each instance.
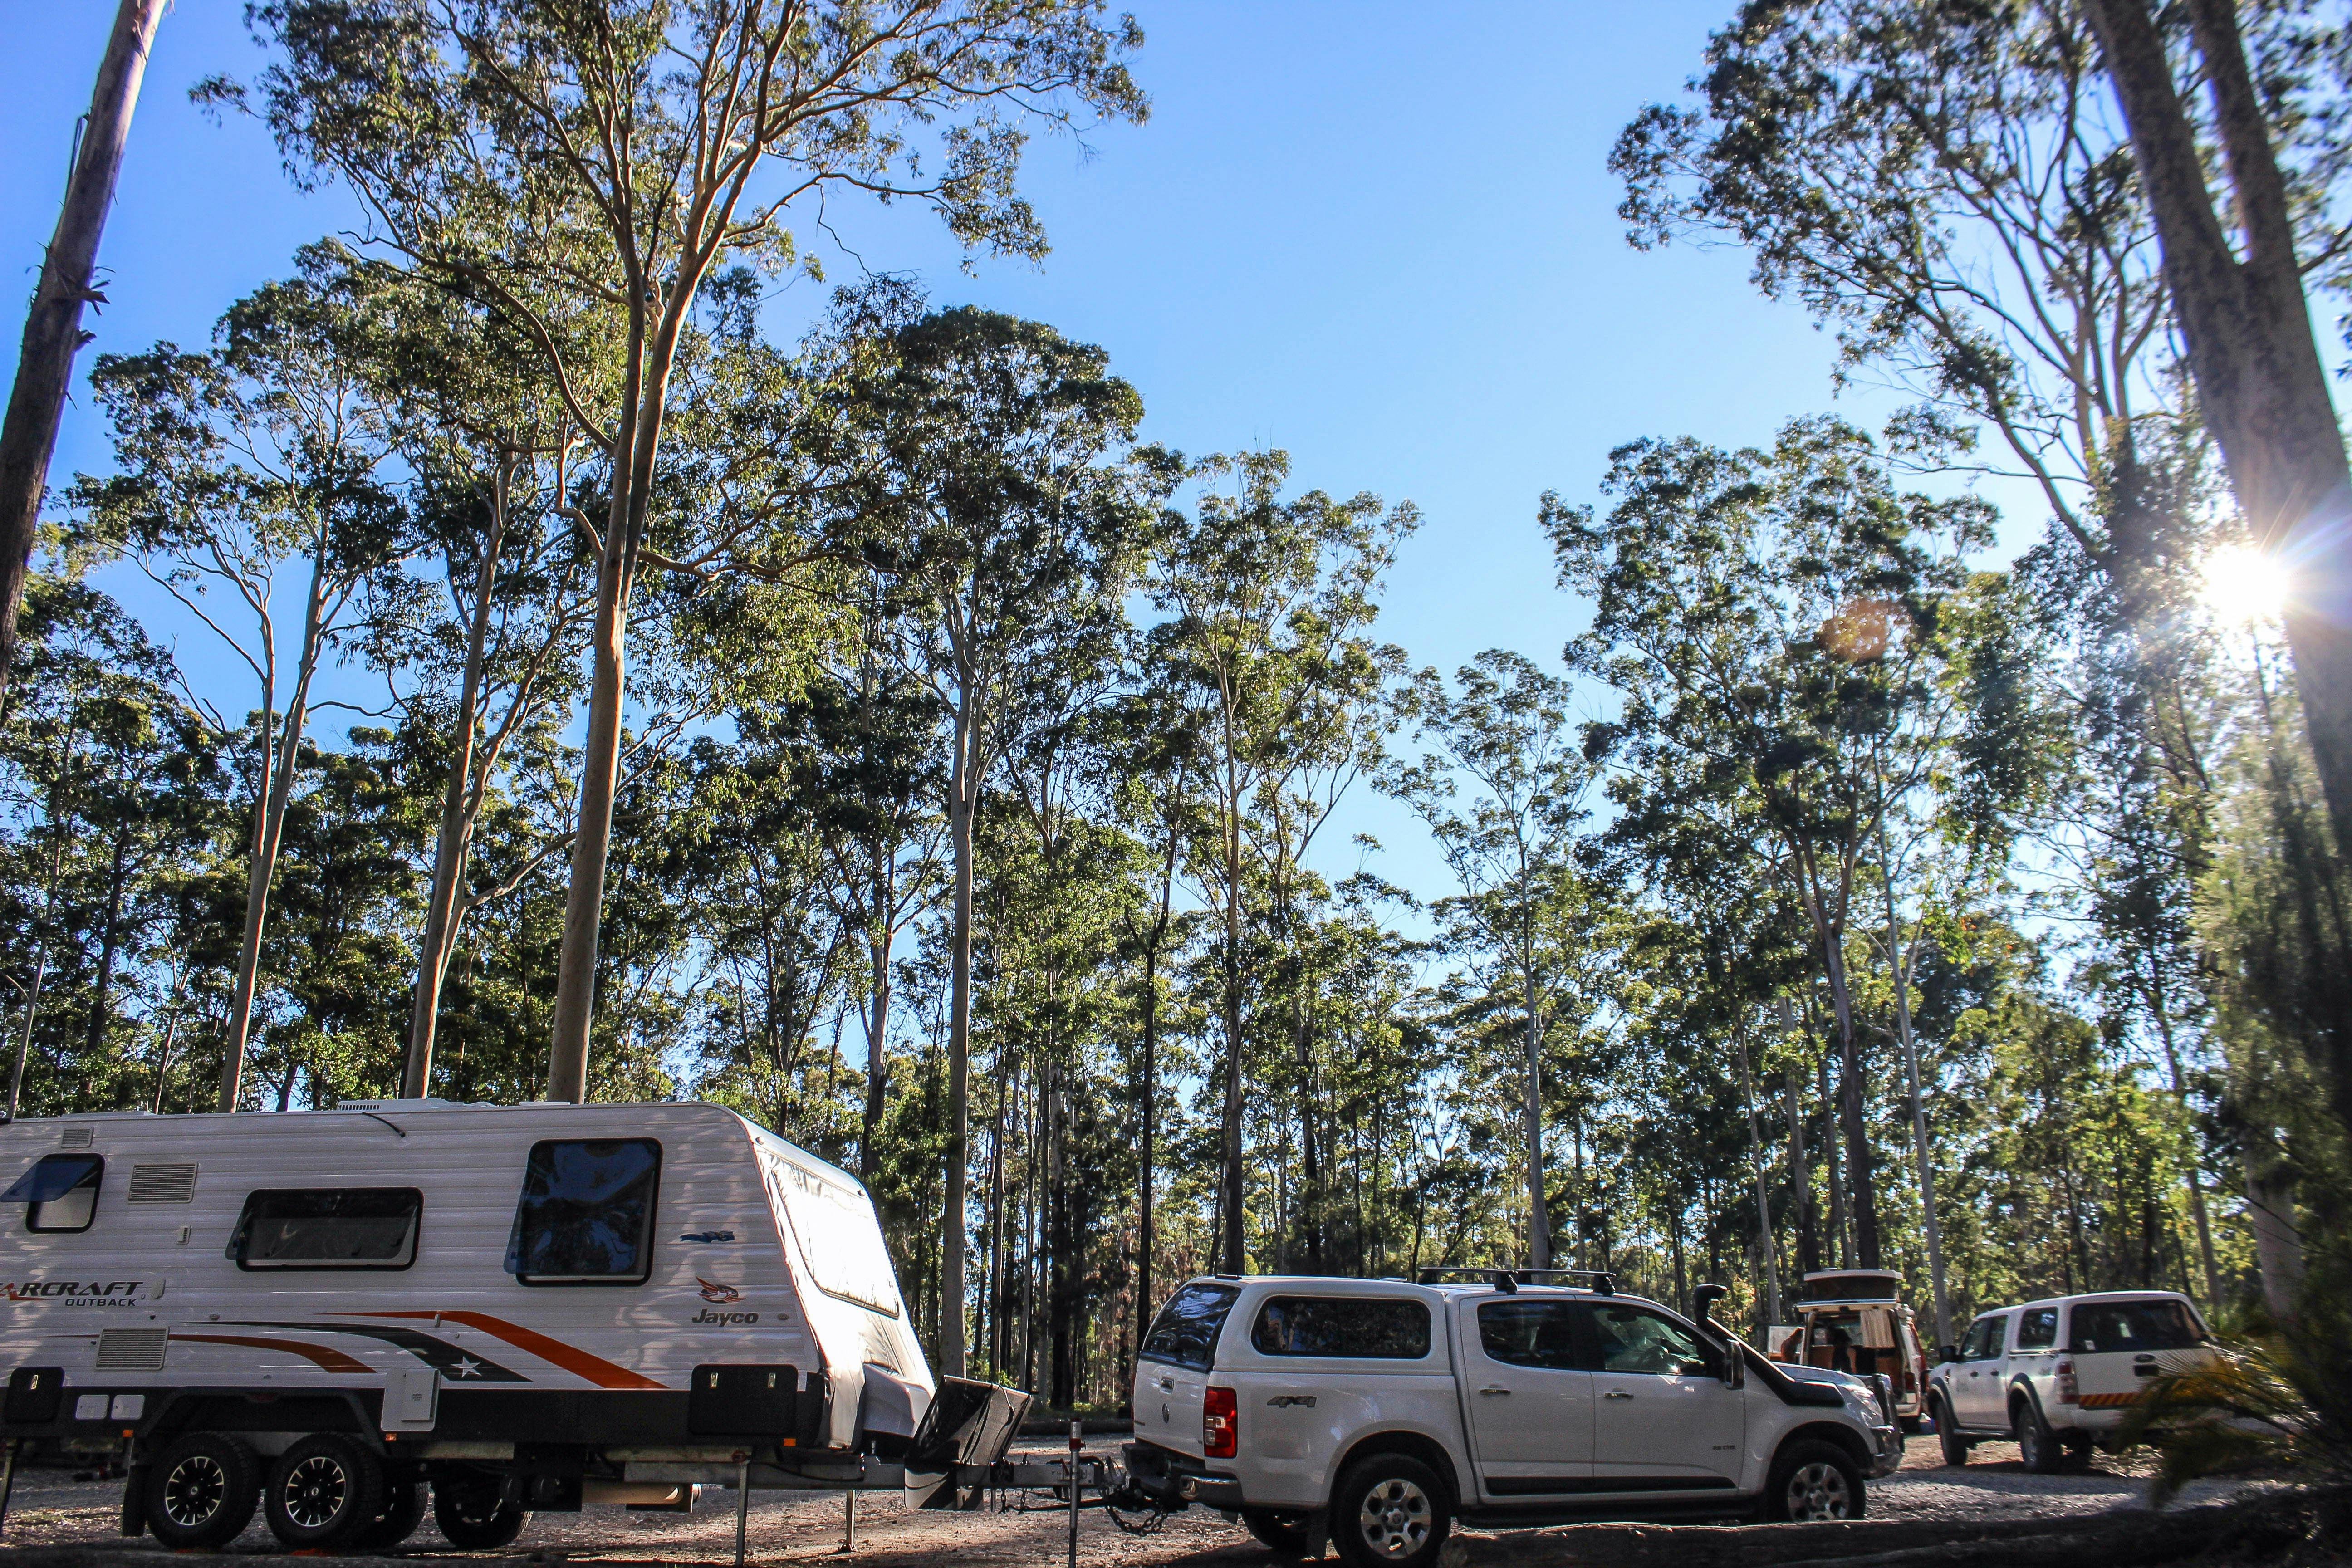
(52, 1176)
(1852, 1284)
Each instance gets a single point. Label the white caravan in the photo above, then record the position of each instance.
(531, 1307)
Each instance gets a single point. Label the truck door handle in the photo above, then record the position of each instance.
(1616, 1393)
(1494, 1390)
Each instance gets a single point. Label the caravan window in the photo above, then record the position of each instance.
(586, 1215)
(331, 1227)
(60, 1191)
(839, 1237)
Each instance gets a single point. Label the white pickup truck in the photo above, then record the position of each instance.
(1372, 1414)
(2058, 1376)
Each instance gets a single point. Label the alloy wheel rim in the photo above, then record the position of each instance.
(315, 1491)
(1395, 1518)
(1818, 1491)
(194, 1491)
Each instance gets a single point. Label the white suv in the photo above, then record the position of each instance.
(2058, 1375)
(1373, 1413)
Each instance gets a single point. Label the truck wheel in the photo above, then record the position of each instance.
(403, 1509)
(1813, 1481)
(1280, 1531)
(1948, 1435)
(2036, 1444)
(473, 1513)
(1389, 1511)
(322, 1492)
(202, 1489)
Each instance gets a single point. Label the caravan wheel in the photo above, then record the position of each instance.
(322, 1492)
(201, 1490)
(472, 1510)
(403, 1509)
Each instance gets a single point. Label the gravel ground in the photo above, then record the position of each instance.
(51, 1510)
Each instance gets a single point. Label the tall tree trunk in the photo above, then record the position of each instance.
(269, 827)
(40, 970)
(53, 327)
(1531, 1115)
(964, 787)
(1853, 1111)
(455, 837)
(1899, 965)
(109, 941)
(2261, 384)
(1767, 1253)
(1231, 1251)
(1801, 1169)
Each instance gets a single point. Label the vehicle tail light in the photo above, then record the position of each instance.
(2069, 1391)
(1220, 1424)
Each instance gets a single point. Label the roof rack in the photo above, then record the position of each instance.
(1508, 1281)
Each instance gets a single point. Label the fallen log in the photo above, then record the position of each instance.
(2121, 1538)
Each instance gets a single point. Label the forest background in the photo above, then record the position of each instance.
(1240, 838)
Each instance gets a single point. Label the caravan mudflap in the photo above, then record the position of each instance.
(963, 1436)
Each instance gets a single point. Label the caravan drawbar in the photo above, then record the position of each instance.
(531, 1307)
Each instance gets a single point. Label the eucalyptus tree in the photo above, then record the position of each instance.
(620, 154)
(1267, 605)
(263, 460)
(1509, 737)
(1776, 614)
(989, 485)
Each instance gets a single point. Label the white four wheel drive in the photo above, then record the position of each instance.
(1374, 1414)
(2058, 1376)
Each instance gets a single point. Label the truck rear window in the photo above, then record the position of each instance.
(2101, 1326)
(1185, 1333)
(1359, 1327)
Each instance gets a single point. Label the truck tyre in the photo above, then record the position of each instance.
(1948, 1435)
(1283, 1531)
(1389, 1511)
(2036, 1444)
(201, 1490)
(1812, 1481)
(473, 1513)
(322, 1492)
(403, 1509)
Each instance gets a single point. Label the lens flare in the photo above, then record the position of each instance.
(2244, 585)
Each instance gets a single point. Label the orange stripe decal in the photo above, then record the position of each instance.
(326, 1357)
(2108, 1401)
(572, 1358)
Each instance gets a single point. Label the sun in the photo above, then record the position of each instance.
(2244, 585)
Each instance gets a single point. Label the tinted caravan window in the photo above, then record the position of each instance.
(586, 1215)
(335, 1227)
(1354, 1326)
(1185, 1333)
(60, 1191)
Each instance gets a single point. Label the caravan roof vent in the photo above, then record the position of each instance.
(162, 1183)
(78, 1137)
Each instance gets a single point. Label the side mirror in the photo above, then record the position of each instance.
(1947, 1353)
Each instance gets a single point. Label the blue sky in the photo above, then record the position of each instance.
(1381, 236)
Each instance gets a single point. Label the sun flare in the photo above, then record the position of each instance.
(2244, 585)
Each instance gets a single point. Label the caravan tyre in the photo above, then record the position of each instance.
(201, 1490)
(403, 1509)
(473, 1512)
(322, 1492)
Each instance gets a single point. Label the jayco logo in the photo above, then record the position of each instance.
(115, 1293)
(723, 1320)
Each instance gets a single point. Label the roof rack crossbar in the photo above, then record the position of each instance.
(1508, 1280)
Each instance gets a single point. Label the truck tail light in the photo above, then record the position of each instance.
(1220, 1424)
(2069, 1391)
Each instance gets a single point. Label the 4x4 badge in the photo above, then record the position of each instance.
(1283, 1401)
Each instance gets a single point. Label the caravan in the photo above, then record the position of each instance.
(528, 1307)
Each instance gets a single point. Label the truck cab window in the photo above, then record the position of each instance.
(1632, 1339)
(2037, 1329)
(586, 1215)
(333, 1228)
(1983, 1341)
(60, 1191)
(1530, 1333)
